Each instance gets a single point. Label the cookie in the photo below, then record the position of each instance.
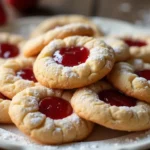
(120, 48)
(73, 62)
(62, 20)
(4, 106)
(139, 46)
(16, 75)
(132, 79)
(104, 105)
(47, 116)
(34, 46)
(10, 46)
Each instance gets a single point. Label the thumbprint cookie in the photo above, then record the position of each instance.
(132, 79)
(10, 46)
(73, 62)
(106, 106)
(47, 116)
(16, 75)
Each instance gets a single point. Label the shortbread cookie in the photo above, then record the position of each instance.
(139, 46)
(47, 116)
(133, 80)
(16, 75)
(34, 46)
(102, 104)
(62, 20)
(119, 46)
(10, 46)
(4, 106)
(73, 62)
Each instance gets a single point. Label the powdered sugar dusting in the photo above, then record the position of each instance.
(68, 72)
(95, 54)
(35, 118)
(125, 108)
(75, 119)
(48, 62)
(31, 101)
(6, 135)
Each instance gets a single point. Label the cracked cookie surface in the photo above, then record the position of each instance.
(10, 82)
(124, 77)
(24, 112)
(98, 64)
(87, 104)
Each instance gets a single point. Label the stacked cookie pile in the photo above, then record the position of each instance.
(68, 76)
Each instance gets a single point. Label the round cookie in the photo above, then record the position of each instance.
(101, 104)
(4, 106)
(16, 75)
(132, 79)
(34, 46)
(62, 20)
(57, 125)
(139, 46)
(120, 48)
(73, 62)
(10, 46)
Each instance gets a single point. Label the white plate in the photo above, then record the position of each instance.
(101, 138)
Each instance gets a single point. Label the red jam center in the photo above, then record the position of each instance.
(71, 56)
(137, 43)
(144, 73)
(55, 107)
(115, 98)
(8, 50)
(27, 74)
(2, 96)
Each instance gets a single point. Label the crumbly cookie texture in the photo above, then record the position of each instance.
(10, 84)
(120, 48)
(34, 46)
(24, 112)
(123, 77)
(87, 105)
(12, 39)
(4, 106)
(62, 20)
(99, 63)
(139, 52)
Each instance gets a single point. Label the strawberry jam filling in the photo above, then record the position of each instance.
(137, 43)
(144, 73)
(55, 107)
(115, 98)
(27, 74)
(3, 97)
(71, 56)
(8, 50)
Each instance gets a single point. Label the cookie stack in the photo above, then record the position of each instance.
(68, 76)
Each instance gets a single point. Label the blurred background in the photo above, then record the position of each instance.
(134, 11)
